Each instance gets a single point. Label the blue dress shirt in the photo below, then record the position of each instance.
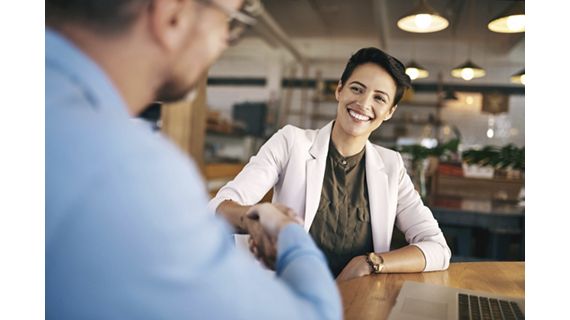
(127, 233)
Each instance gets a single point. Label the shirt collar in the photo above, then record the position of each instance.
(345, 162)
(62, 55)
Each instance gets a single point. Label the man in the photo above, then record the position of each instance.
(127, 230)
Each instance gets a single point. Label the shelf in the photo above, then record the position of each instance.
(331, 99)
(426, 104)
(217, 170)
(324, 117)
(314, 116)
(494, 188)
(297, 113)
(226, 134)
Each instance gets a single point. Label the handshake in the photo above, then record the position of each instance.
(263, 222)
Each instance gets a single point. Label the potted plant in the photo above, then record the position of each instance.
(505, 160)
(420, 163)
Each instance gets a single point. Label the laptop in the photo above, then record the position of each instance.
(419, 301)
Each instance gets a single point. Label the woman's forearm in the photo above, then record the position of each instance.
(408, 259)
(234, 213)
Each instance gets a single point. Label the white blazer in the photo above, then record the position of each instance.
(293, 162)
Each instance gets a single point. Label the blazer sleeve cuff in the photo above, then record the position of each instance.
(214, 203)
(436, 256)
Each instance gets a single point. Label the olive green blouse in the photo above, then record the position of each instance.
(342, 227)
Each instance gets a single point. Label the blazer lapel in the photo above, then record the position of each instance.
(377, 182)
(315, 173)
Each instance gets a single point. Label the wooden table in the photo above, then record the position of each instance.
(372, 297)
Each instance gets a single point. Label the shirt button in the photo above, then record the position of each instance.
(343, 162)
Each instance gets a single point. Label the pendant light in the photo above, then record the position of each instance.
(422, 19)
(415, 71)
(512, 20)
(468, 71)
(518, 77)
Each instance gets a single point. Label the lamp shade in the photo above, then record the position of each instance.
(468, 71)
(518, 77)
(415, 71)
(422, 19)
(512, 20)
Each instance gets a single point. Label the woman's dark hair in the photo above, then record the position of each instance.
(103, 15)
(374, 55)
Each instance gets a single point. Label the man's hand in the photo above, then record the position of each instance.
(264, 222)
(263, 247)
(357, 267)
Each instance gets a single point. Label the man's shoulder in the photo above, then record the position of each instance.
(89, 153)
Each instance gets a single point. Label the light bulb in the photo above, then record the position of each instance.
(413, 73)
(490, 133)
(423, 21)
(516, 23)
(522, 79)
(467, 74)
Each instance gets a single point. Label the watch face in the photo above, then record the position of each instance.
(374, 258)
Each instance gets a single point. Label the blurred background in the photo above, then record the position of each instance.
(461, 129)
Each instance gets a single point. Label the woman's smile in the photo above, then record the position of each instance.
(358, 116)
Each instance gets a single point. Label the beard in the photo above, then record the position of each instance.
(172, 91)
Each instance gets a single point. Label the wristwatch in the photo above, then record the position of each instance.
(376, 262)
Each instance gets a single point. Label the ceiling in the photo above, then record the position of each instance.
(314, 23)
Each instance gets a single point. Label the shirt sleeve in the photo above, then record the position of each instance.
(419, 226)
(153, 252)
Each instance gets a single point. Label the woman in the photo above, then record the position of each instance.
(348, 192)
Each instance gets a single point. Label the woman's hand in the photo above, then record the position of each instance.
(357, 267)
(264, 222)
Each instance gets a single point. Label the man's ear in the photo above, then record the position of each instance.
(337, 91)
(392, 110)
(170, 22)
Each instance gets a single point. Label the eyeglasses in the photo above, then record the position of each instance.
(238, 21)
